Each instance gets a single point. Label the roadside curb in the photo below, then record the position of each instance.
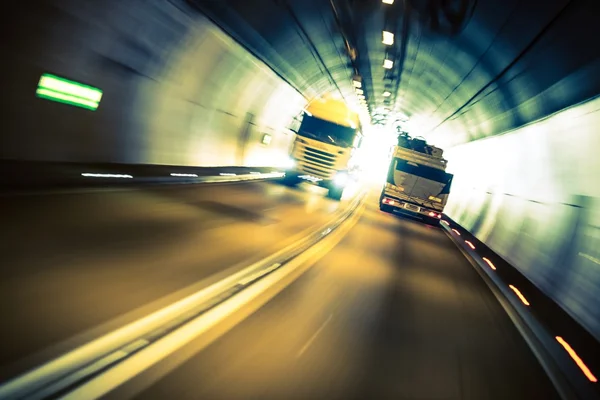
(564, 368)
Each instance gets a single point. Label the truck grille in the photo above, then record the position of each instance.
(317, 162)
(321, 153)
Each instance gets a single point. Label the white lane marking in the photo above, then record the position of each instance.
(93, 175)
(104, 362)
(258, 274)
(313, 337)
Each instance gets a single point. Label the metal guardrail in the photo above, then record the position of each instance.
(64, 374)
(565, 375)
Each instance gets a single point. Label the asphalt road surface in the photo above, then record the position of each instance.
(80, 264)
(392, 312)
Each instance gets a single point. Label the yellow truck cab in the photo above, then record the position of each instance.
(324, 146)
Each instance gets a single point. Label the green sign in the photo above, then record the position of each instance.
(52, 87)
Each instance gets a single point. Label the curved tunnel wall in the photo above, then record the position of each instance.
(533, 196)
(176, 89)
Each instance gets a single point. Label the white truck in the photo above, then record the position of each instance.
(417, 183)
(324, 146)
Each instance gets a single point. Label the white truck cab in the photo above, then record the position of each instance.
(417, 183)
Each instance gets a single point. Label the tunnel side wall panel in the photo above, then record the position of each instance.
(534, 61)
(533, 196)
(176, 89)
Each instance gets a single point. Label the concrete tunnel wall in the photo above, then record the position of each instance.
(533, 196)
(177, 90)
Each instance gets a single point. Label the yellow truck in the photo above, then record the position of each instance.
(417, 183)
(324, 146)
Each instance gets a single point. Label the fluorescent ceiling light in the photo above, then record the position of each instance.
(388, 64)
(386, 94)
(356, 83)
(388, 38)
(387, 1)
(359, 91)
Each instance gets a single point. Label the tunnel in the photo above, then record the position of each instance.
(508, 88)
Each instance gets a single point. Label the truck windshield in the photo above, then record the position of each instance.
(423, 171)
(328, 132)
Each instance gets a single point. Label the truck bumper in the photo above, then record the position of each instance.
(394, 205)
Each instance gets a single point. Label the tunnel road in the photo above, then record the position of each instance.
(393, 311)
(78, 265)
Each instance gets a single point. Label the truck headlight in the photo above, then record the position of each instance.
(341, 179)
(290, 163)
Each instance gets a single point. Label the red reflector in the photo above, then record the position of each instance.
(577, 359)
(492, 266)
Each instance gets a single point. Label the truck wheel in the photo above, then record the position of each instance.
(290, 180)
(335, 193)
(432, 221)
(385, 208)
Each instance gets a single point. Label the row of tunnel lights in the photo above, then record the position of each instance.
(388, 40)
(584, 368)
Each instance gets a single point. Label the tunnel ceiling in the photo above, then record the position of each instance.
(463, 69)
